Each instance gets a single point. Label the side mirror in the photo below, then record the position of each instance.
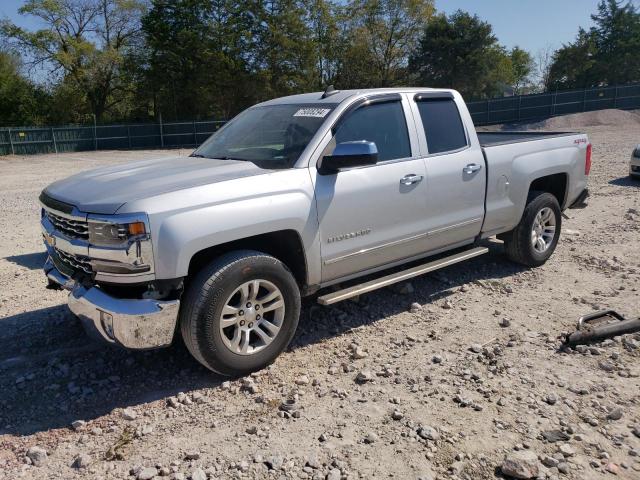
(348, 155)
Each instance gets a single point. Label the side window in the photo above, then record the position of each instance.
(382, 123)
(442, 125)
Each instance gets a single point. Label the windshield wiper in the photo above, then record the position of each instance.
(232, 158)
(199, 155)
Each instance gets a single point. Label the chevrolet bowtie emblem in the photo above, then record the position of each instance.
(50, 240)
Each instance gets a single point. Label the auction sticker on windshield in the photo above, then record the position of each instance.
(312, 112)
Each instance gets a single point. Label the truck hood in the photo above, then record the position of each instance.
(104, 190)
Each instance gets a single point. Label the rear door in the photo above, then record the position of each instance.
(373, 215)
(456, 170)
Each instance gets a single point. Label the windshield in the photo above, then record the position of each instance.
(271, 136)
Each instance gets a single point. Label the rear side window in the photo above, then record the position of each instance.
(442, 125)
(382, 123)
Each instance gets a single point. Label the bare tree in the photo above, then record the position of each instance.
(84, 42)
(544, 60)
(385, 32)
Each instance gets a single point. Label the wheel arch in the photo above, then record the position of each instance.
(555, 184)
(285, 245)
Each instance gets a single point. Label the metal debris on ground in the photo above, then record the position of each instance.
(599, 326)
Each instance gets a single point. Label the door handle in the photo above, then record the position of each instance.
(411, 179)
(471, 168)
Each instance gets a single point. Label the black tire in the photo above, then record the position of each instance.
(517, 242)
(205, 297)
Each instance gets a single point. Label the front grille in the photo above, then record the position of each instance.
(74, 262)
(71, 228)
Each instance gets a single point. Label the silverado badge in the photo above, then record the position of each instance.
(346, 236)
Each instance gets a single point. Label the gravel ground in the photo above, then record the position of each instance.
(455, 375)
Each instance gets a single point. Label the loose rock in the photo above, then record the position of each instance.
(615, 414)
(78, 424)
(37, 455)
(147, 473)
(428, 433)
(198, 474)
(521, 465)
(371, 438)
(364, 376)
(129, 414)
(334, 474)
(82, 461)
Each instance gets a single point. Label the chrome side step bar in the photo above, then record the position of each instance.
(387, 280)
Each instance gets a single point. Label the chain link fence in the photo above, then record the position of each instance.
(545, 105)
(34, 140)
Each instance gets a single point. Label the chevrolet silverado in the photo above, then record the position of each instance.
(292, 196)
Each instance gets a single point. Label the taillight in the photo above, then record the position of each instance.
(587, 160)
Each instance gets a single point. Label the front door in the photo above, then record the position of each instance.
(374, 215)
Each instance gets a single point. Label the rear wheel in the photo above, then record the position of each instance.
(240, 312)
(534, 239)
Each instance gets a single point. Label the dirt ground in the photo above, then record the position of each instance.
(440, 378)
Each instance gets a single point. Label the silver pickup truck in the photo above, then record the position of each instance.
(292, 196)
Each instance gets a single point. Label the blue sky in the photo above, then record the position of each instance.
(530, 24)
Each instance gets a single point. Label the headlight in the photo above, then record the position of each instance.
(119, 245)
(107, 233)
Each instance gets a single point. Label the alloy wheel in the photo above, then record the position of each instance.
(544, 230)
(252, 317)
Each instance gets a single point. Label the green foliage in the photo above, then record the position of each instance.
(572, 65)
(285, 48)
(380, 35)
(83, 42)
(20, 100)
(461, 52)
(188, 59)
(605, 54)
(522, 67)
(213, 58)
(326, 21)
(185, 64)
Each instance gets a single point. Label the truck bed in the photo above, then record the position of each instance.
(490, 139)
(515, 160)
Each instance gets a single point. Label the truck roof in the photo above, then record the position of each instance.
(341, 95)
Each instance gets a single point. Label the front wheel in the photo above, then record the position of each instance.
(240, 312)
(534, 239)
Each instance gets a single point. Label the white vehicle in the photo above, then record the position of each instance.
(634, 168)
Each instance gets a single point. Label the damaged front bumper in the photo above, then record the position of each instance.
(129, 323)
